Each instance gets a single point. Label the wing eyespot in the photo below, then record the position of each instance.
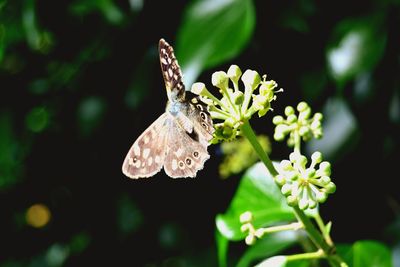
(203, 116)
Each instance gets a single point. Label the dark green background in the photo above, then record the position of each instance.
(80, 80)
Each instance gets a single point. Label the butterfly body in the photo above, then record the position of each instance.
(178, 139)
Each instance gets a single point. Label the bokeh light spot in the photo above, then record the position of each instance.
(38, 215)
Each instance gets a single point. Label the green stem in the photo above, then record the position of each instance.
(297, 141)
(251, 136)
(307, 256)
(248, 92)
(279, 228)
(315, 236)
(323, 229)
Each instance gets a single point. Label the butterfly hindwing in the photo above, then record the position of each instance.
(185, 155)
(146, 156)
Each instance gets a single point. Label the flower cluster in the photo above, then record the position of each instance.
(301, 125)
(236, 106)
(302, 186)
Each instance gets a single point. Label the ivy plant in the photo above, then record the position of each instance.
(277, 204)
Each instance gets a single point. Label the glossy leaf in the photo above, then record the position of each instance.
(366, 253)
(213, 32)
(257, 193)
(267, 246)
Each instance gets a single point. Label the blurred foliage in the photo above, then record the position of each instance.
(354, 48)
(213, 32)
(80, 79)
(10, 153)
(239, 155)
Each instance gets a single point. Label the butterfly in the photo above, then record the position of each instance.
(179, 138)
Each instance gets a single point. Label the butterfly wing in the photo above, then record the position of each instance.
(199, 115)
(185, 154)
(171, 72)
(146, 156)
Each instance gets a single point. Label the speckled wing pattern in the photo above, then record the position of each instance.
(171, 71)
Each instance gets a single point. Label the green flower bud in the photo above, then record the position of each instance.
(263, 111)
(282, 128)
(279, 136)
(310, 173)
(291, 118)
(325, 180)
(291, 200)
(312, 204)
(321, 197)
(199, 89)
(303, 203)
(259, 101)
(220, 79)
(305, 114)
(315, 125)
(238, 98)
(316, 157)
(234, 73)
(303, 131)
(318, 116)
(296, 190)
(317, 133)
(330, 188)
(289, 111)
(246, 217)
(250, 240)
(293, 157)
(286, 165)
(277, 120)
(302, 106)
(324, 168)
(251, 79)
(286, 189)
(302, 161)
(292, 176)
(280, 179)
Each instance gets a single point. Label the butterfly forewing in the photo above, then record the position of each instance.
(171, 72)
(146, 156)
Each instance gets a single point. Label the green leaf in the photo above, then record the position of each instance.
(355, 48)
(257, 193)
(366, 253)
(281, 261)
(213, 32)
(277, 261)
(267, 246)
